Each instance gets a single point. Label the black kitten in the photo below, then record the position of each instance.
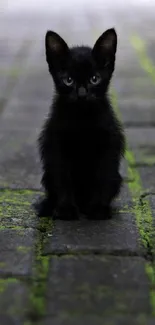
(82, 141)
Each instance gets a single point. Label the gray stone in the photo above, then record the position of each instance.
(114, 235)
(124, 174)
(20, 125)
(97, 286)
(8, 55)
(134, 87)
(144, 156)
(36, 87)
(137, 111)
(110, 236)
(13, 301)
(65, 319)
(16, 251)
(9, 320)
(151, 49)
(122, 71)
(147, 175)
(9, 81)
(151, 197)
(19, 160)
(144, 137)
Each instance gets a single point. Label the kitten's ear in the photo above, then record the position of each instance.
(106, 44)
(56, 47)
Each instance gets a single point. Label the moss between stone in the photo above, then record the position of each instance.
(142, 209)
(5, 282)
(149, 161)
(41, 267)
(16, 211)
(151, 273)
(142, 212)
(146, 158)
(4, 227)
(82, 318)
(124, 210)
(13, 72)
(2, 264)
(23, 249)
(150, 270)
(23, 196)
(38, 289)
(148, 66)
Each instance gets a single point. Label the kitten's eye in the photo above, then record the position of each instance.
(95, 80)
(68, 81)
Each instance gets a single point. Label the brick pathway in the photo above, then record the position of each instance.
(65, 273)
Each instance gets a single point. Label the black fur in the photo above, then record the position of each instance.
(82, 141)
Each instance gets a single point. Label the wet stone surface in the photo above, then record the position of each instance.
(100, 286)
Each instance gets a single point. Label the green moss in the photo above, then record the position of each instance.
(41, 267)
(152, 297)
(142, 211)
(2, 264)
(150, 270)
(5, 282)
(145, 156)
(16, 211)
(17, 71)
(24, 249)
(13, 72)
(124, 211)
(4, 227)
(150, 161)
(14, 201)
(18, 196)
(37, 296)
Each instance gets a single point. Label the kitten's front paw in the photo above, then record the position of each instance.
(44, 208)
(66, 212)
(99, 212)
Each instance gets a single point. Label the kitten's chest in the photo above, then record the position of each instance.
(84, 142)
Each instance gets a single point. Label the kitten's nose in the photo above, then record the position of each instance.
(82, 92)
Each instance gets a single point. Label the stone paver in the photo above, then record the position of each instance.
(91, 320)
(97, 286)
(16, 251)
(14, 301)
(70, 273)
(137, 111)
(115, 236)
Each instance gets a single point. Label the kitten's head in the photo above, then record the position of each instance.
(81, 72)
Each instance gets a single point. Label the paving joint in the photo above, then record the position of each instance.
(37, 308)
(95, 252)
(139, 125)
